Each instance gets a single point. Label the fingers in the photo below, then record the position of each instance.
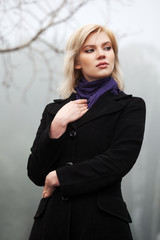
(71, 111)
(84, 111)
(48, 191)
(84, 108)
(82, 105)
(44, 194)
(51, 182)
(81, 101)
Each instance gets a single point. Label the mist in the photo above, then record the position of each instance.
(21, 109)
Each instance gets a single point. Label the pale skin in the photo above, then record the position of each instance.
(96, 58)
(96, 61)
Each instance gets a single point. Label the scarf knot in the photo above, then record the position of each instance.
(93, 90)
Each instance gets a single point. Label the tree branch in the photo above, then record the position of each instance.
(50, 24)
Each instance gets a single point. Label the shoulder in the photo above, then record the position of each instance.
(131, 104)
(137, 102)
(131, 99)
(135, 105)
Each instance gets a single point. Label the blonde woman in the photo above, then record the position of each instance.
(87, 141)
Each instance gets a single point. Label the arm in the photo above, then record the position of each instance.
(39, 162)
(50, 137)
(105, 169)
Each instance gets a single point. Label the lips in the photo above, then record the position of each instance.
(102, 64)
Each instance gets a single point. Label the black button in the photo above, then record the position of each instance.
(72, 134)
(69, 163)
(65, 198)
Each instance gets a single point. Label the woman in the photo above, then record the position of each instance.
(86, 143)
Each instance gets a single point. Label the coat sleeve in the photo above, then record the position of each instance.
(105, 169)
(41, 161)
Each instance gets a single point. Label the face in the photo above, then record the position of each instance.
(96, 57)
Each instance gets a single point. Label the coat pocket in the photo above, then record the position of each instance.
(41, 208)
(114, 206)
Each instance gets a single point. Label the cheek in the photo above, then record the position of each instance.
(112, 59)
(85, 64)
(85, 61)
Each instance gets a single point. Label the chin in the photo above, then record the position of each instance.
(103, 76)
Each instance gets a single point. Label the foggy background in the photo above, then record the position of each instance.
(29, 79)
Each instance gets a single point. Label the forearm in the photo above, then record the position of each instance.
(44, 156)
(57, 128)
(95, 174)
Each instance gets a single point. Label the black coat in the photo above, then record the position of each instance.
(90, 158)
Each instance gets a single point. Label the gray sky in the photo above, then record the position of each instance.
(19, 120)
(140, 18)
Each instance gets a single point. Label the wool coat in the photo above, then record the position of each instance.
(90, 158)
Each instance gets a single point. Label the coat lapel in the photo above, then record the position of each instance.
(106, 104)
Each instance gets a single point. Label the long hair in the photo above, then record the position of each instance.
(73, 47)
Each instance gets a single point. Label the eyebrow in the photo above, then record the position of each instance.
(91, 45)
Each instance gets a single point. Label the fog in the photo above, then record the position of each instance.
(20, 117)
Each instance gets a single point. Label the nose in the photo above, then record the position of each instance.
(100, 54)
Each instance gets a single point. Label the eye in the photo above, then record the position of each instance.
(108, 48)
(89, 50)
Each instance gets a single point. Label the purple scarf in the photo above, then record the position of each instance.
(93, 90)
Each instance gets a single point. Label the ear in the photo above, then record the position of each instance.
(77, 65)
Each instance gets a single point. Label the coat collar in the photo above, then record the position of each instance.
(106, 104)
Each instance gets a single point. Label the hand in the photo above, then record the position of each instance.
(51, 183)
(70, 112)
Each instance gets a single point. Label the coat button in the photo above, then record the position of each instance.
(72, 134)
(65, 198)
(69, 163)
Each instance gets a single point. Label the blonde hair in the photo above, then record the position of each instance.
(73, 47)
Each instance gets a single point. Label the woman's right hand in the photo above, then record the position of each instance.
(70, 112)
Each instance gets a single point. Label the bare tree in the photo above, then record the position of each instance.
(30, 19)
(26, 22)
